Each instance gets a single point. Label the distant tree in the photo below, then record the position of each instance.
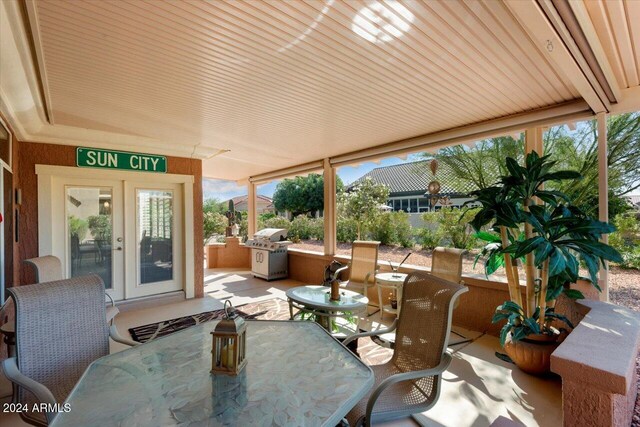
(579, 151)
(362, 203)
(214, 218)
(481, 165)
(302, 195)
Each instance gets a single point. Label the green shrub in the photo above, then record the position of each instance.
(277, 222)
(347, 230)
(448, 227)
(626, 239)
(214, 223)
(392, 228)
(303, 228)
(428, 238)
(266, 216)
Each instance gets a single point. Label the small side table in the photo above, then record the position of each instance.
(394, 282)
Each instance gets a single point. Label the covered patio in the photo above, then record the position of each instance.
(115, 111)
(478, 388)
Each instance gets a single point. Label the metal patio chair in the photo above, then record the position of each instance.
(362, 267)
(409, 383)
(49, 268)
(60, 330)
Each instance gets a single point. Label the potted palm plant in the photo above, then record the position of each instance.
(542, 232)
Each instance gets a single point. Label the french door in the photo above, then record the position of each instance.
(94, 231)
(130, 233)
(153, 230)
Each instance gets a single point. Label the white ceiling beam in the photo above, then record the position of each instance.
(535, 22)
(570, 111)
(589, 31)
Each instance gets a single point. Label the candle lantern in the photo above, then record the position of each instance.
(229, 343)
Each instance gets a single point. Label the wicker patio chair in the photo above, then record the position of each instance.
(446, 263)
(49, 268)
(60, 330)
(362, 268)
(410, 382)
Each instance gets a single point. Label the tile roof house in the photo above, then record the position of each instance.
(263, 204)
(408, 184)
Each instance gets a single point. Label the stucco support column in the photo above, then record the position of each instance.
(603, 195)
(330, 207)
(252, 214)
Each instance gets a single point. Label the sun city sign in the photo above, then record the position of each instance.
(108, 159)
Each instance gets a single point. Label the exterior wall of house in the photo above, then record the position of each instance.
(261, 207)
(419, 203)
(31, 154)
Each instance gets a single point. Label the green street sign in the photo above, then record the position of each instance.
(109, 159)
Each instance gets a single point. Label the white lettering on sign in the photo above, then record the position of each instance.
(142, 163)
(102, 159)
(109, 159)
(91, 158)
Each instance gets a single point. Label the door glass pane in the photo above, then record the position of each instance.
(155, 235)
(89, 225)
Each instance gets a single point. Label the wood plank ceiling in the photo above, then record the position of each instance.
(284, 83)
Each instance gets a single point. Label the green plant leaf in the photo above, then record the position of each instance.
(550, 315)
(511, 307)
(488, 237)
(562, 175)
(557, 263)
(599, 249)
(542, 252)
(533, 325)
(573, 294)
(523, 248)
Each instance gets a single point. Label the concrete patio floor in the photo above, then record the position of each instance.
(477, 388)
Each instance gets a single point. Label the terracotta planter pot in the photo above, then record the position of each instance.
(532, 354)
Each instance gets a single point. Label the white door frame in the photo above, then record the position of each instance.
(49, 208)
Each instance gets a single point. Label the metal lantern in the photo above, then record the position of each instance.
(229, 343)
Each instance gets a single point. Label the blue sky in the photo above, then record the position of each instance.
(225, 190)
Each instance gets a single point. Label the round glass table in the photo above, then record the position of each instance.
(336, 317)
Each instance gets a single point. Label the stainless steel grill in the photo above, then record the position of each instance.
(269, 253)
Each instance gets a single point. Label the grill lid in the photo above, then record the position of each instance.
(271, 234)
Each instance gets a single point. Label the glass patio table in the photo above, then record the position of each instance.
(297, 374)
(332, 315)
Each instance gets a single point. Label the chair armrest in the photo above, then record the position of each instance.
(42, 393)
(353, 337)
(113, 303)
(115, 335)
(369, 274)
(336, 274)
(405, 376)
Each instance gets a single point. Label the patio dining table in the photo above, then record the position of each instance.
(297, 374)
